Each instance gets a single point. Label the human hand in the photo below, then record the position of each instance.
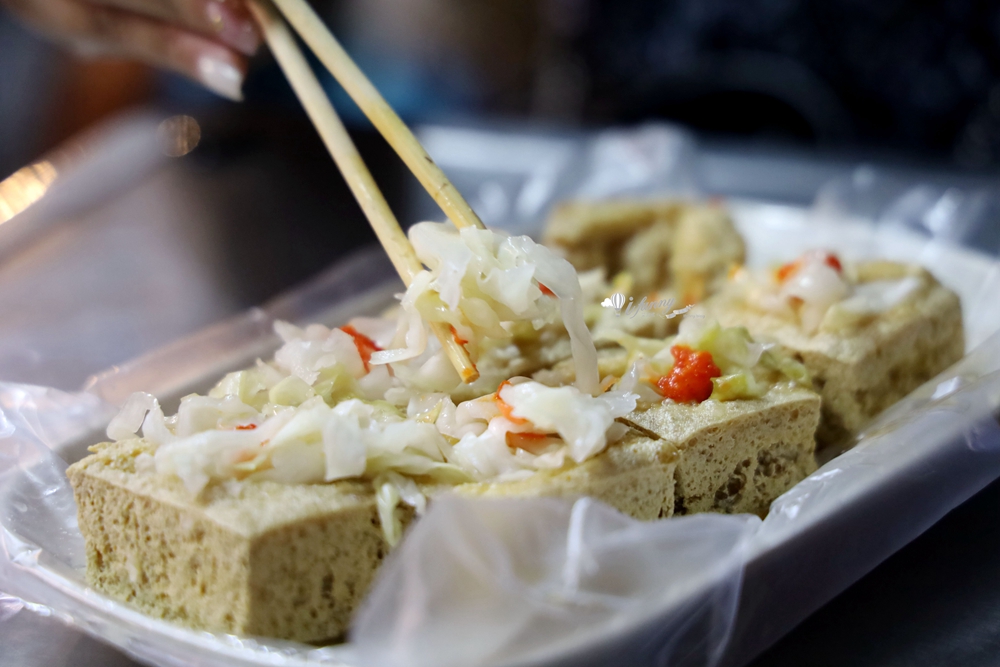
(206, 40)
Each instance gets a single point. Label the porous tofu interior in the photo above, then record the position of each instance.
(686, 248)
(287, 561)
(738, 456)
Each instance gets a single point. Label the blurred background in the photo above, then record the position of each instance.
(917, 79)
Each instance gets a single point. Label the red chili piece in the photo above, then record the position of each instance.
(529, 442)
(690, 380)
(545, 290)
(366, 346)
(458, 339)
(787, 270)
(506, 409)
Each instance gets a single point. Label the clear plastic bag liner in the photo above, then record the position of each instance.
(916, 462)
(512, 180)
(933, 211)
(544, 581)
(529, 581)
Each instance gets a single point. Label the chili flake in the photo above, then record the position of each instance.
(788, 270)
(690, 380)
(534, 443)
(458, 339)
(366, 346)
(506, 409)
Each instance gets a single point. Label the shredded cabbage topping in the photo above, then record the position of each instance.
(748, 368)
(319, 412)
(373, 399)
(818, 293)
(483, 282)
(306, 418)
(378, 400)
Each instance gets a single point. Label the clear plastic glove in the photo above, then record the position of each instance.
(206, 40)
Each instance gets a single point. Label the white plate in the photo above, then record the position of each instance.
(821, 536)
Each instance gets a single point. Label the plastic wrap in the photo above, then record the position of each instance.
(545, 579)
(550, 581)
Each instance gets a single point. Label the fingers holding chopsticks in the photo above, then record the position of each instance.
(225, 21)
(206, 40)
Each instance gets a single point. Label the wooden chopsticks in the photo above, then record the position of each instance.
(323, 116)
(326, 47)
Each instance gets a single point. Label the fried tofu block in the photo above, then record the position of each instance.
(865, 364)
(732, 456)
(594, 234)
(736, 456)
(687, 248)
(288, 561)
(294, 561)
(634, 475)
